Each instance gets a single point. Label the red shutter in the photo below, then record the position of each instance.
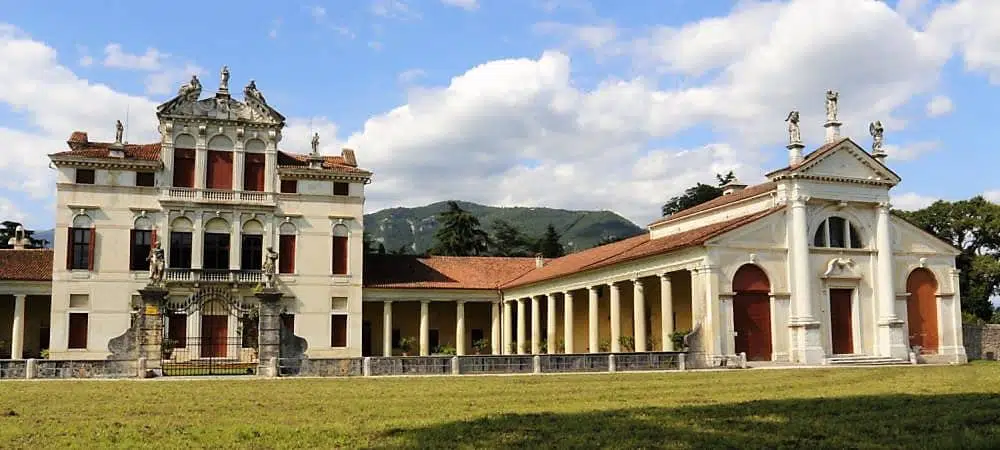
(219, 173)
(77, 331)
(90, 253)
(286, 253)
(184, 167)
(131, 250)
(69, 248)
(253, 172)
(340, 255)
(152, 241)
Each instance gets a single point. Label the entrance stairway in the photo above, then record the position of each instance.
(863, 360)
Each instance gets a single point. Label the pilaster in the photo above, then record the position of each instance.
(891, 334)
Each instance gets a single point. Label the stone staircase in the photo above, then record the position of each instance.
(863, 360)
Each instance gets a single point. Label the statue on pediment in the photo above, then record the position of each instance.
(315, 144)
(191, 90)
(251, 92)
(119, 130)
(831, 105)
(156, 265)
(794, 132)
(876, 130)
(224, 79)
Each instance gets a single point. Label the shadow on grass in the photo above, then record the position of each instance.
(887, 421)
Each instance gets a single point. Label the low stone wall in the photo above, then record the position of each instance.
(49, 368)
(981, 341)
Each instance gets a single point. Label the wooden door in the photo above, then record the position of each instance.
(214, 333)
(921, 310)
(841, 328)
(752, 324)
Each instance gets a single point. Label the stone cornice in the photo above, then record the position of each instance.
(105, 163)
(834, 179)
(306, 173)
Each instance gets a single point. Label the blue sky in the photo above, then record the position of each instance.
(563, 103)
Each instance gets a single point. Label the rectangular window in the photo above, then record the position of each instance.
(338, 330)
(340, 255)
(253, 172)
(146, 179)
(251, 252)
(341, 188)
(177, 331)
(84, 176)
(184, 167)
(289, 186)
(219, 170)
(216, 251)
(141, 242)
(180, 249)
(77, 331)
(286, 253)
(80, 254)
(79, 300)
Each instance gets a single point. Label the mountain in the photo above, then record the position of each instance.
(415, 227)
(47, 235)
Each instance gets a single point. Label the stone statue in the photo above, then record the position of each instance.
(839, 266)
(794, 133)
(270, 265)
(315, 144)
(251, 91)
(190, 90)
(119, 130)
(831, 106)
(876, 130)
(156, 264)
(224, 79)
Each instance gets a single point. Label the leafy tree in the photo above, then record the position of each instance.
(972, 226)
(508, 240)
(549, 245)
(7, 229)
(697, 194)
(372, 247)
(402, 250)
(460, 234)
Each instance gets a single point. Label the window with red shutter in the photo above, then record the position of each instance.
(340, 255)
(219, 171)
(286, 253)
(338, 330)
(184, 164)
(77, 331)
(253, 172)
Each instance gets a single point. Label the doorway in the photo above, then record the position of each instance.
(752, 313)
(841, 323)
(921, 310)
(214, 332)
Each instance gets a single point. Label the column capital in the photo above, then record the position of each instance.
(665, 276)
(425, 302)
(595, 288)
(460, 302)
(637, 285)
(387, 301)
(883, 206)
(614, 286)
(20, 297)
(567, 293)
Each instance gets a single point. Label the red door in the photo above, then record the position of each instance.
(921, 310)
(214, 333)
(841, 329)
(752, 323)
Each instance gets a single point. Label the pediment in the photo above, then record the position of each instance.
(908, 238)
(221, 108)
(766, 232)
(846, 161)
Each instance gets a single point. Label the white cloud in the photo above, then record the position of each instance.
(911, 201)
(10, 211)
(598, 38)
(411, 75)
(168, 80)
(317, 12)
(117, 58)
(86, 60)
(396, 9)
(939, 106)
(468, 5)
(970, 25)
(992, 195)
(911, 151)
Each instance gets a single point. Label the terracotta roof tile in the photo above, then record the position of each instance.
(442, 272)
(26, 265)
(631, 249)
(143, 152)
(286, 159)
(742, 194)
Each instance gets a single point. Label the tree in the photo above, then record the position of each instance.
(697, 194)
(7, 229)
(460, 234)
(549, 245)
(372, 246)
(508, 240)
(972, 226)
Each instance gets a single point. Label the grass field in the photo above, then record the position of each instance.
(899, 407)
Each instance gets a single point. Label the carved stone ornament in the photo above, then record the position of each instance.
(794, 132)
(841, 267)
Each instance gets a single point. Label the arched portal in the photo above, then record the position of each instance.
(921, 309)
(752, 312)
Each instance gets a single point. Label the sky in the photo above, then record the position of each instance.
(576, 104)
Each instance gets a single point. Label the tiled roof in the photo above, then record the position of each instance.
(736, 196)
(631, 249)
(142, 152)
(26, 265)
(442, 272)
(286, 159)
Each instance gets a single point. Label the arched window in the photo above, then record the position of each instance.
(180, 243)
(215, 253)
(81, 241)
(219, 167)
(140, 242)
(286, 248)
(340, 246)
(837, 232)
(252, 245)
(184, 161)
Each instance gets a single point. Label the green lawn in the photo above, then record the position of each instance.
(897, 407)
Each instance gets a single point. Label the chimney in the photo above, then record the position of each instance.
(349, 158)
(539, 261)
(19, 242)
(733, 186)
(832, 125)
(77, 140)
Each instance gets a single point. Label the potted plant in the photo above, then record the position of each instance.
(627, 343)
(481, 346)
(677, 338)
(406, 345)
(605, 346)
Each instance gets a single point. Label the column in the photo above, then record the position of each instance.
(891, 341)
(200, 162)
(666, 312)
(495, 341)
(460, 327)
(508, 327)
(521, 326)
(270, 169)
(235, 242)
(550, 314)
(239, 164)
(806, 339)
(536, 324)
(387, 328)
(639, 315)
(593, 324)
(616, 318)
(568, 322)
(425, 328)
(17, 331)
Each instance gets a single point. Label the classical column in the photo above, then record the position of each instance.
(521, 326)
(508, 327)
(593, 324)
(550, 332)
(890, 337)
(666, 312)
(425, 327)
(568, 322)
(17, 330)
(639, 315)
(806, 339)
(460, 327)
(387, 328)
(616, 318)
(536, 324)
(495, 328)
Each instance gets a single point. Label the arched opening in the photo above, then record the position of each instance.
(752, 313)
(340, 249)
(252, 246)
(286, 248)
(184, 161)
(921, 309)
(179, 250)
(219, 168)
(215, 250)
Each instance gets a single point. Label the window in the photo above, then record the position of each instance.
(146, 179)
(341, 188)
(177, 329)
(141, 242)
(79, 300)
(216, 251)
(396, 337)
(80, 255)
(289, 186)
(434, 336)
(338, 330)
(286, 253)
(219, 170)
(253, 172)
(84, 176)
(184, 167)
(837, 232)
(251, 252)
(340, 250)
(180, 249)
(77, 331)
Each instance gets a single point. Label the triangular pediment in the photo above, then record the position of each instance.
(765, 232)
(909, 238)
(221, 108)
(845, 161)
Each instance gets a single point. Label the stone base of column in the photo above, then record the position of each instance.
(150, 334)
(269, 334)
(892, 339)
(806, 347)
